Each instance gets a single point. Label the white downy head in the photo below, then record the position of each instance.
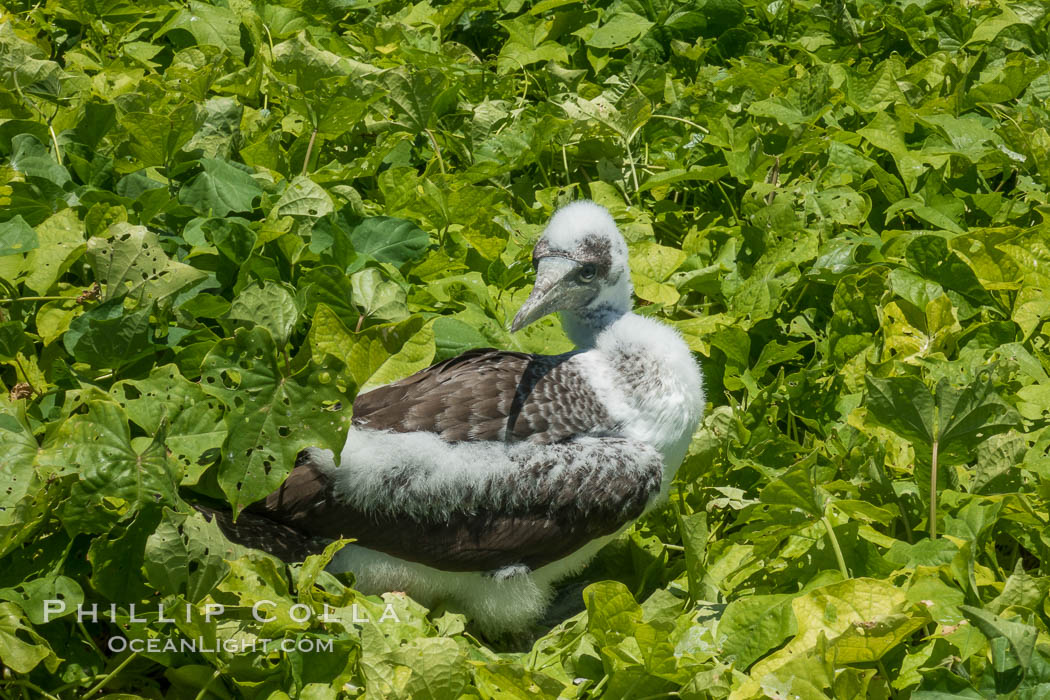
(581, 271)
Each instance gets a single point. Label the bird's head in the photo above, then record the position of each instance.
(581, 271)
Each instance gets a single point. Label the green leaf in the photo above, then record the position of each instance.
(862, 620)
(271, 416)
(32, 158)
(220, 128)
(453, 337)
(53, 319)
(184, 556)
(528, 44)
(12, 339)
(653, 290)
(117, 478)
(17, 237)
(655, 261)
(378, 354)
(612, 612)
(510, 680)
(377, 297)
(107, 336)
(1012, 655)
(209, 25)
(421, 95)
(904, 405)
(796, 489)
(21, 648)
(33, 474)
(931, 258)
(312, 67)
(437, 668)
(389, 240)
(166, 400)
(157, 137)
(33, 595)
(970, 415)
(305, 198)
(230, 235)
(754, 625)
(130, 261)
(620, 29)
(220, 189)
(269, 305)
(117, 551)
(61, 243)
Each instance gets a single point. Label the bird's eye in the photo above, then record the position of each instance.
(587, 272)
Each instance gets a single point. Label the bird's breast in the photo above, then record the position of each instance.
(650, 401)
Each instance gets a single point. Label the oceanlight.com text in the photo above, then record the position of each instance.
(157, 645)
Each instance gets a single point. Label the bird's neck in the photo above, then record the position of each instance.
(583, 327)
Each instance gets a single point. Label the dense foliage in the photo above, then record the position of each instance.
(221, 221)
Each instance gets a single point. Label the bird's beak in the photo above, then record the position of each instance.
(549, 294)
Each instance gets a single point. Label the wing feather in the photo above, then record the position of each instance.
(490, 395)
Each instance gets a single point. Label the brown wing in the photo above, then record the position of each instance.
(489, 395)
(577, 507)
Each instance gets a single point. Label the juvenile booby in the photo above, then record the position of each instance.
(486, 478)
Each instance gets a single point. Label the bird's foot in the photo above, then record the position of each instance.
(505, 573)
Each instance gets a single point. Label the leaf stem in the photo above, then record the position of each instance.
(887, 676)
(679, 119)
(109, 676)
(309, 151)
(204, 690)
(54, 141)
(835, 546)
(91, 642)
(933, 491)
(32, 686)
(437, 151)
(634, 173)
(9, 300)
(732, 209)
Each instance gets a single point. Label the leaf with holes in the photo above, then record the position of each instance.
(304, 198)
(184, 556)
(33, 484)
(130, 261)
(21, 648)
(620, 29)
(969, 415)
(271, 415)
(168, 401)
(117, 478)
(378, 354)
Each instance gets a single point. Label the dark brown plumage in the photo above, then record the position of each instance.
(489, 395)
